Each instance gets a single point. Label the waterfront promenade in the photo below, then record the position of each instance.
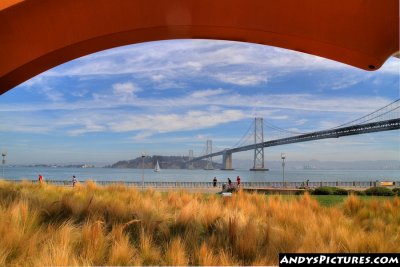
(208, 186)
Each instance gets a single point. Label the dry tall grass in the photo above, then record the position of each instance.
(115, 225)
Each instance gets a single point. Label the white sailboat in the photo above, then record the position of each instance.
(157, 167)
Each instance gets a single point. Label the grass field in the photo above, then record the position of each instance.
(115, 225)
(335, 200)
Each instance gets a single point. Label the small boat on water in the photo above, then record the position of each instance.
(157, 167)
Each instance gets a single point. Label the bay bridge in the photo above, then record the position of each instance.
(386, 118)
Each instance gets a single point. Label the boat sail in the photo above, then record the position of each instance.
(157, 167)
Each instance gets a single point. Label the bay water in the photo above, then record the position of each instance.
(184, 175)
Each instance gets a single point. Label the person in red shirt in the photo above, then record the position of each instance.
(40, 178)
(238, 181)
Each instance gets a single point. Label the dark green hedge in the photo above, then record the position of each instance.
(379, 191)
(373, 191)
(356, 192)
(396, 191)
(327, 190)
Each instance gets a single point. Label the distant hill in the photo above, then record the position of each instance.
(165, 162)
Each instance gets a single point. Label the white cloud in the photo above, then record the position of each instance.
(277, 117)
(51, 94)
(157, 77)
(90, 126)
(241, 78)
(216, 98)
(162, 123)
(192, 56)
(391, 66)
(344, 83)
(142, 136)
(169, 84)
(125, 90)
(197, 66)
(37, 80)
(228, 62)
(192, 114)
(76, 123)
(81, 93)
(208, 93)
(301, 121)
(39, 84)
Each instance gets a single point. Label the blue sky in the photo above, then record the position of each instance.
(171, 96)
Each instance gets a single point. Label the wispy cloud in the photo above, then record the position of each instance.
(391, 66)
(227, 62)
(159, 123)
(211, 97)
(301, 121)
(208, 93)
(241, 78)
(51, 94)
(192, 90)
(198, 110)
(343, 82)
(125, 91)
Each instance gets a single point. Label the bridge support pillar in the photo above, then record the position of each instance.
(209, 165)
(258, 141)
(191, 166)
(227, 161)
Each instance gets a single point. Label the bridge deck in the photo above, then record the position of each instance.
(386, 125)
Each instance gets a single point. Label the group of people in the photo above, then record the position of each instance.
(74, 180)
(229, 181)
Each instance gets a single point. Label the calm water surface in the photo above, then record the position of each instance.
(109, 174)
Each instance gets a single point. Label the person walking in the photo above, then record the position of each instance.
(238, 181)
(74, 181)
(229, 182)
(40, 179)
(215, 182)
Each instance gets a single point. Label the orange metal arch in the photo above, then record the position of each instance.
(36, 35)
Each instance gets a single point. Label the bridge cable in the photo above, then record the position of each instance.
(244, 137)
(347, 123)
(280, 129)
(380, 115)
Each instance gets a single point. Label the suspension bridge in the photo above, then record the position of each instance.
(386, 118)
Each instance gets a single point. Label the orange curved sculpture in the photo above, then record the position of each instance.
(37, 35)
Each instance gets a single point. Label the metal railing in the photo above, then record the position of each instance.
(311, 184)
(314, 184)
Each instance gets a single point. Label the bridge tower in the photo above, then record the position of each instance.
(259, 150)
(227, 161)
(191, 167)
(209, 165)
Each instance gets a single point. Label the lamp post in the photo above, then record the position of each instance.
(143, 156)
(4, 161)
(283, 156)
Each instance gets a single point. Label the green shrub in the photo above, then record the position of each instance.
(299, 193)
(324, 190)
(396, 191)
(328, 190)
(340, 191)
(379, 191)
(356, 192)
